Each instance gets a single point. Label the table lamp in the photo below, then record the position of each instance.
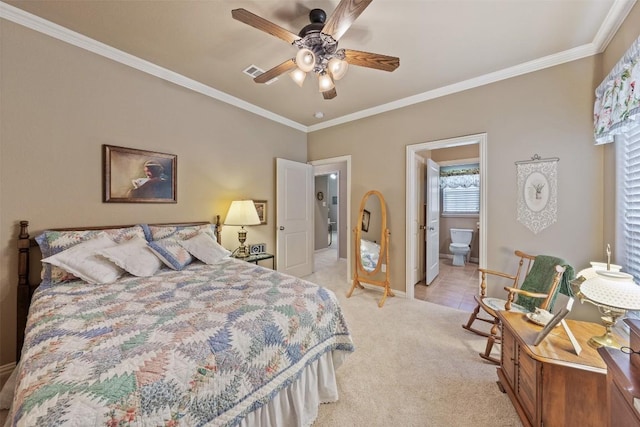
(613, 292)
(242, 212)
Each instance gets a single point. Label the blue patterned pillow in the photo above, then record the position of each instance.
(178, 232)
(171, 253)
(54, 242)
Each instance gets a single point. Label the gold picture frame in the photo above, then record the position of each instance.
(261, 207)
(138, 176)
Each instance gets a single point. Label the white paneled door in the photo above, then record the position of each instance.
(432, 233)
(294, 217)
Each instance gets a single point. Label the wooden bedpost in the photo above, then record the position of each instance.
(218, 230)
(24, 290)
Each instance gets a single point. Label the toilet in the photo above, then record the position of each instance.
(460, 244)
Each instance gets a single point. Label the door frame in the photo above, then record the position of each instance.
(411, 208)
(347, 160)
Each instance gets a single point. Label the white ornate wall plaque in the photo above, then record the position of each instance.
(537, 192)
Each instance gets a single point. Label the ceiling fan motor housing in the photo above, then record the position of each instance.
(317, 18)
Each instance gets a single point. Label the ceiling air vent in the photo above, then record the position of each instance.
(253, 72)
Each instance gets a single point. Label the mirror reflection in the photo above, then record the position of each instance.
(370, 236)
(372, 245)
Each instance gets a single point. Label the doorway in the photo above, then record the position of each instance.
(340, 235)
(415, 200)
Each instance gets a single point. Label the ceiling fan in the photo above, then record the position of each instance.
(317, 45)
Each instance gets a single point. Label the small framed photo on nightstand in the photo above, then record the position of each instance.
(258, 248)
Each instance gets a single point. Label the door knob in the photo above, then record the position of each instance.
(281, 228)
(431, 228)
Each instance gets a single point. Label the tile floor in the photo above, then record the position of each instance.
(453, 287)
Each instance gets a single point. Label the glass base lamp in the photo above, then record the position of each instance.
(613, 292)
(242, 212)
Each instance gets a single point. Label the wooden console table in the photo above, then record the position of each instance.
(548, 384)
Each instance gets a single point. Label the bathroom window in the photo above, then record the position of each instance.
(460, 187)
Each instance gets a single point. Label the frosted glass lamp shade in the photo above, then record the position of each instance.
(613, 289)
(242, 212)
(325, 82)
(305, 59)
(337, 68)
(298, 76)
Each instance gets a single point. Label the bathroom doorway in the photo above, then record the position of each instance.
(455, 149)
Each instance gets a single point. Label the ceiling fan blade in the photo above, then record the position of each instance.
(371, 60)
(341, 19)
(255, 21)
(287, 65)
(330, 94)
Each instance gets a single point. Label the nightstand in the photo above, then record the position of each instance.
(260, 257)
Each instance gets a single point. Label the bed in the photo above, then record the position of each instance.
(214, 341)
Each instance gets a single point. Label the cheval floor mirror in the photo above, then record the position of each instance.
(372, 245)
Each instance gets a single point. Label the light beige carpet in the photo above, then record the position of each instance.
(414, 365)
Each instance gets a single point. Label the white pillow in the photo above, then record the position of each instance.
(81, 260)
(203, 247)
(133, 256)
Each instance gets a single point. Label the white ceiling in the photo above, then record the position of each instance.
(444, 46)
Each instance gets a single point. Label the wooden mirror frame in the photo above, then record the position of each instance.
(360, 273)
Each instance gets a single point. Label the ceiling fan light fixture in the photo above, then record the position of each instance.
(305, 59)
(298, 76)
(325, 82)
(338, 68)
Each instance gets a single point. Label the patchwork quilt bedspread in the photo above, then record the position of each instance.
(202, 346)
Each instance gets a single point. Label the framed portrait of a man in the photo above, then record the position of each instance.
(138, 176)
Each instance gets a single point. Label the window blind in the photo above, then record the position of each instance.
(628, 204)
(461, 200)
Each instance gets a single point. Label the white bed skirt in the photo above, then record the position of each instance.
(297, 405)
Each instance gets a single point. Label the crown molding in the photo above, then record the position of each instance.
(507, 73)
(616, 16)
(61, 33)
(611, 24)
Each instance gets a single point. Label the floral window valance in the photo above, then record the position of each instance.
(617, 106)
(460, 178)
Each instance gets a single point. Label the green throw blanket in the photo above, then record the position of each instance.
(540, 278)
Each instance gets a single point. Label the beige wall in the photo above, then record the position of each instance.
(59, 104)
(547, 113)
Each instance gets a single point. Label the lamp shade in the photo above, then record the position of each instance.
(298, 76)
(242, 212)
(325, 82)
(613, 289)
(590, 273)
(337, 68)
(305, 59)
